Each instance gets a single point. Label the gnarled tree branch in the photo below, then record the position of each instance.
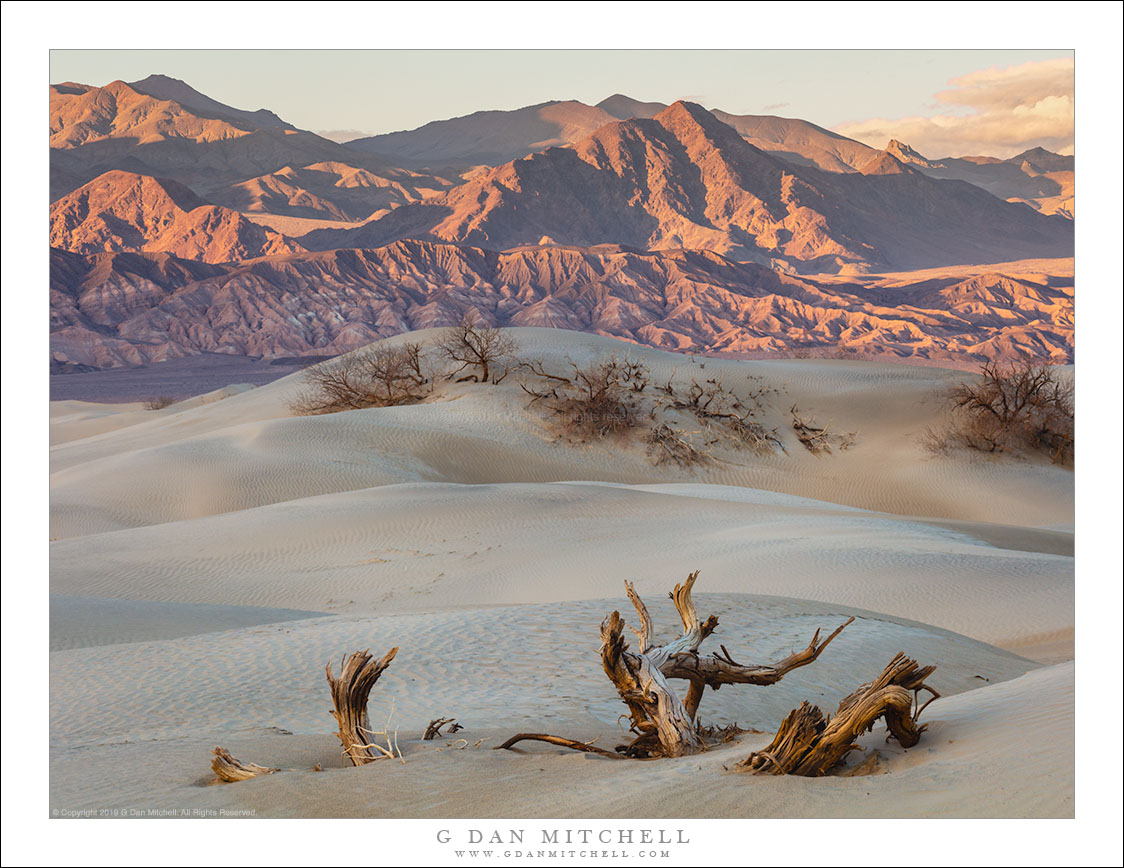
(556, 739)
(664, 728)
(714, 670)
(644, 634)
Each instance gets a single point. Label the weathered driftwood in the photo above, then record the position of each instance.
(434, 729)
(358, 674)
(228, 769)
(808, 744)
(664, 724)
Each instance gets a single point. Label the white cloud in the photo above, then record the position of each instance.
(1008, 111)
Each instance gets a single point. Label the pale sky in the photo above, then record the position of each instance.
(862, 92)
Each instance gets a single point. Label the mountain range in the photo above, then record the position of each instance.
(131, 308)
(180, 225)
(495, 137)
(122, 211)
(203, 144)
(685, 179)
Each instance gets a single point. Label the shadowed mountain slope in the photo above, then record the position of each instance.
(113, 309)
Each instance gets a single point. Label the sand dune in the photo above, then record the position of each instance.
(248, 450)
(260, 692)
(212, 556)
(409, 547)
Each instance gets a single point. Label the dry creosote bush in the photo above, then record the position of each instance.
(589, 401)
(724, 414)
(1016, 408)
(669, 445)
(376, 377)
(391, 376)
(612, 397)
(818, 439)
(488, 351)
(159, 403)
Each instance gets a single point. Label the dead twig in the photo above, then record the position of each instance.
(434, 729)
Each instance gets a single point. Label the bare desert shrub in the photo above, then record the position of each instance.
(159, 403)
(590, 401)
(669, 445)
(935, 440)
(717, 407)
(1019, 407)
(818, 439)
(378, 377)
(470, 344)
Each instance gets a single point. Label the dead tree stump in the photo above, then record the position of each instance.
(808, 744)
(228, 769)
(358, 674)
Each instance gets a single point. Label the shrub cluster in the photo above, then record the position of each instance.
(592, 400)
(1015, 408)
(587, 402)
(385, 376)
(376, 377)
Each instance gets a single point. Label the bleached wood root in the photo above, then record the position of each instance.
(658, 716)
(808, 744)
